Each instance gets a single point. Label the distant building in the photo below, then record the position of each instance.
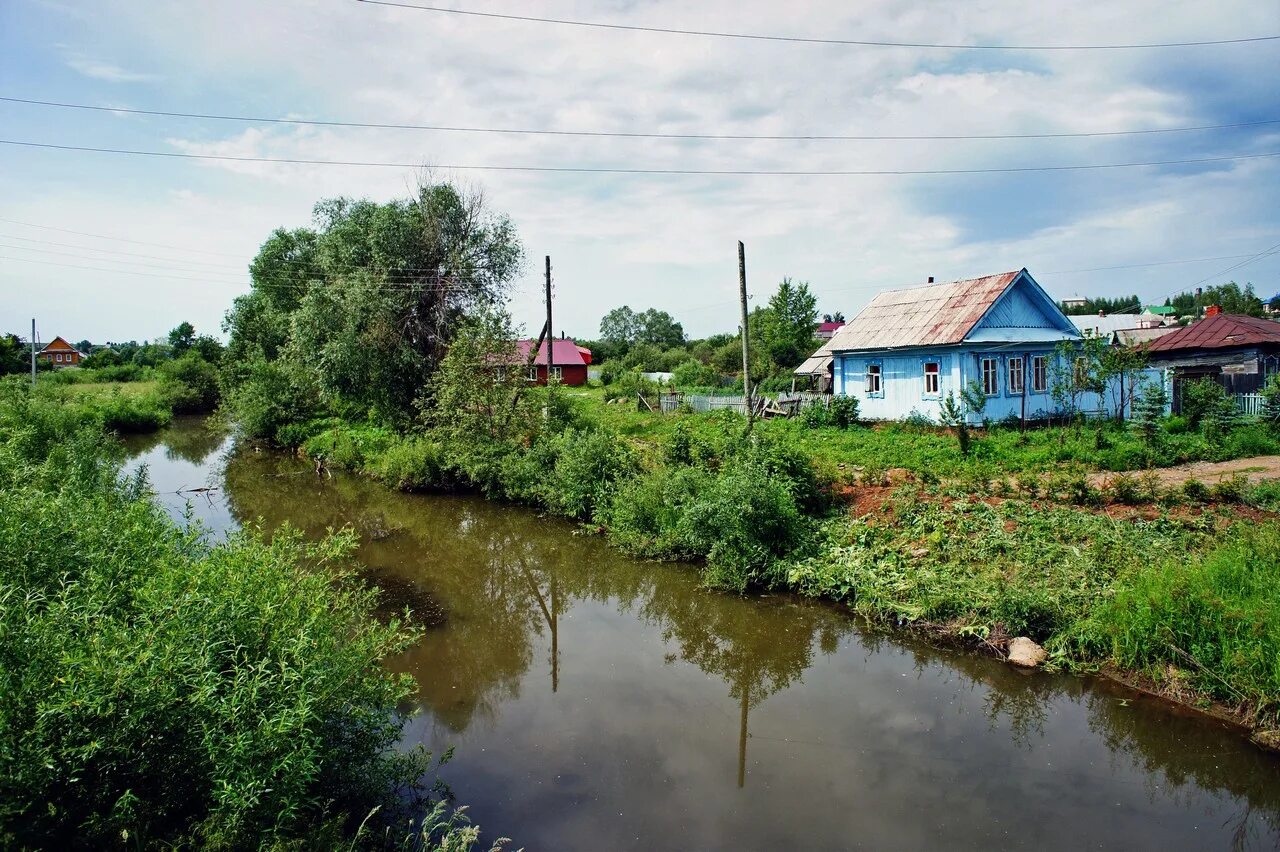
(1074, 303)
(60, 353)
(826, 329)
(569, 361)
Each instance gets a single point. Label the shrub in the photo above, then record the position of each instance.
(412, 463)
(160, 690)
(588, 463)
(1195, 491)
(1230, 489)
(844, 411)
(1124, 488)
(190, 383)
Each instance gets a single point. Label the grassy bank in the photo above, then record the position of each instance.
(158, 689)
(1032, 554)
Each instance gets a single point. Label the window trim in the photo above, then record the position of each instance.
(866, 380)
(1044, 370)
(556, 373)
(994, 360)
(1008, 374)
(936, 393)
(532, 375)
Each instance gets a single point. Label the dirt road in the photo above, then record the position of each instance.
(1255, 469)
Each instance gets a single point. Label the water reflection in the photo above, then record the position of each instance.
(600, 702)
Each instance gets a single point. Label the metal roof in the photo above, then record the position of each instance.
(814, 366)
(1134, 336)
(566, 352)
(921, 316)
(1102, 326)
(1223, 331)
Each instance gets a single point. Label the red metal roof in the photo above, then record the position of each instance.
(566, 352)
(922, 316)
(1223, 331)
(829, 326)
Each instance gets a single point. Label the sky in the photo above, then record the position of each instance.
(163, 240)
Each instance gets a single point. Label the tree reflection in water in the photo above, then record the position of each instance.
(496, 582)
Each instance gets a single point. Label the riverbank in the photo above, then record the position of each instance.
(161, 689)
(1166, 584)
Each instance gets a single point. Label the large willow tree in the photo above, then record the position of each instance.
(354, 314)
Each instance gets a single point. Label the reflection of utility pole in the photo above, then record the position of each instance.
(552, 617)
(555, 638)
(742, 740)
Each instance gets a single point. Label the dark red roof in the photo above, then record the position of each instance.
(566, 352)
(829, 326)
(1223, 331)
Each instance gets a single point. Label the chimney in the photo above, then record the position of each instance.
(1212, 310)
(930, 279)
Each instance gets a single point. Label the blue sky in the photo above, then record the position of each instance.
(646, 241)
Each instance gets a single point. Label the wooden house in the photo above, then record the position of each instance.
(907, 349)
(1241, 352)
(568, 363)
(60, 353)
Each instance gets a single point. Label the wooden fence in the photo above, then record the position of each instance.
(1249, 404)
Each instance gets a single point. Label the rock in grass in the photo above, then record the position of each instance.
(1024, 652)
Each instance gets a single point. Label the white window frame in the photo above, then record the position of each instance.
(57, 356)
(556, 373)
(1039, 373)
(533, 373)
(1015, 380)
(989, 367)
(935, 375)
(873, 384)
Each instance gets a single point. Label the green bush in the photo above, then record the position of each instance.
(412, 463)
(159, 690)
(190, 383)
(588, 463)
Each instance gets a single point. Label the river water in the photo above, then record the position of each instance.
(597, 702)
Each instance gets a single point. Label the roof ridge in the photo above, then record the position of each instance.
(946, 283)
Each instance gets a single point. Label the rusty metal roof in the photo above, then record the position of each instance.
(922, 316)
(1223, 331)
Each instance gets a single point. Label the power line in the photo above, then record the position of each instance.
(1144, 265)
(390, 286)
(814, 40)
(810, 137)
(636, 171)
(118, 239)
(1259, 256)
(404, 273)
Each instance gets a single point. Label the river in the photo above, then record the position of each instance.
(597, 702)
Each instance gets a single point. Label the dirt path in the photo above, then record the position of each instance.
(1254, 469)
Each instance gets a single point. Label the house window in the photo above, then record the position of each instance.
(555, 373)
(931, 379)
(58, 357)
(533, 374)
(990, 376)
(1039, 374)
(1015, 384)
(874, 388)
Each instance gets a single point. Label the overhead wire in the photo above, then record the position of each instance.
(646, 171)
(801, 137)
(811, 39)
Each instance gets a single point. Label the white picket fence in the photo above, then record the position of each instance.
(1249, 404)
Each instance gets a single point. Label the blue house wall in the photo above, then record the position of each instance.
(1023, 323)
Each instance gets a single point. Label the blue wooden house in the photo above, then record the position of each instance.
(908, 348)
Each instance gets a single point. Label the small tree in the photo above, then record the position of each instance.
(181, 338)
(1148, 412)
(1271, 402)
(481, 388)
(954, 413)
(1119, 371)
(1076, 369)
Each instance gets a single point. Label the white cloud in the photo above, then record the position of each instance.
(108, 72)
(670, 241)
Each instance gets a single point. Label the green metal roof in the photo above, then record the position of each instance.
(1162, 310)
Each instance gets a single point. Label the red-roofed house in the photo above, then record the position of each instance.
(60, 353)
(1240, 351)
(825, 330)
(569, 361)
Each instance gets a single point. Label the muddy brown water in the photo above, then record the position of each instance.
(597, 702)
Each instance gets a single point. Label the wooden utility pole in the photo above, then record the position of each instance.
(746, 357)
(551, 338)
(33, 352)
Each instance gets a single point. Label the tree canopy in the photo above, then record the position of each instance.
(364, 304)
(1230, 297)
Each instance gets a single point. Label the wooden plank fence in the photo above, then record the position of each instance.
(1249, 404)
